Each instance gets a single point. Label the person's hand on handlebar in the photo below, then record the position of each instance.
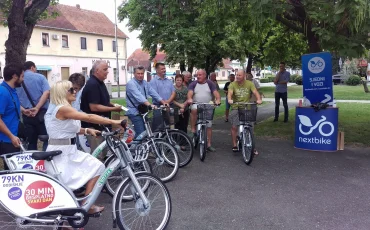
(259, 102)
(190, 101)
(15, 141)
(93, 132)
(217, 102)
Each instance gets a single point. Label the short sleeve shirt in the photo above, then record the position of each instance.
(203, 93)
(241, 93)
(181, 95)
(283, 88)
(164, 87)
(8, 111)
(94, 92)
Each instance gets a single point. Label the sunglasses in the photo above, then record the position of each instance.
(72, 90)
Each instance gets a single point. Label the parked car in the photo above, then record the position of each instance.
(338, 78)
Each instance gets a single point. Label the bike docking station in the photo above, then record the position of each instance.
(316, 121)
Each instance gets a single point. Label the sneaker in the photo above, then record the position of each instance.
(275, 120)
(211, 149)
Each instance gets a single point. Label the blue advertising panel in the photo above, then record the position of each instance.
(316, 130)
(317, 78)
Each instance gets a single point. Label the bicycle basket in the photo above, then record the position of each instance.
(205, 112)
(248, 113)
(140, 152)
(162, 119)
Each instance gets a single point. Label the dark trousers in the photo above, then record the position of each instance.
(183, 122)
(7, 148)
(34, 128)
(284, 97)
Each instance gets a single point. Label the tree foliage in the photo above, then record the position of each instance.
(21, 17)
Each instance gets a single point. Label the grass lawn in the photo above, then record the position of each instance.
(354, 120)
(121, 88)
(341, 92)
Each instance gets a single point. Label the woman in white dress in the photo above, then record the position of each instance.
(62, 123)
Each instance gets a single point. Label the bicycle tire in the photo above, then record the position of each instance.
(116, 177)
(203, 143)
(135, 209)
(248, 146)
(167, 169)
(183, 146)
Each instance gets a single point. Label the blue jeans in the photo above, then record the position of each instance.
(138, 123)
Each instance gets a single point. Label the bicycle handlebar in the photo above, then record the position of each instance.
(213, 104)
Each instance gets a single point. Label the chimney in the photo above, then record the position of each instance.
(78, 6)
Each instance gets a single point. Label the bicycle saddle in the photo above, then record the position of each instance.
(319, 106)
(46, 155)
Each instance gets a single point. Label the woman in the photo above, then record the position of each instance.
(62, 122)
(180, 104)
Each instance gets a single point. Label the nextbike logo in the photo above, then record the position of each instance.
(325, 128)
(316, 65)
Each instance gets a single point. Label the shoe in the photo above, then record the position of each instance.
(235, 149)
(95, 209)
(226, 120)
(275, 120)
(211, 149)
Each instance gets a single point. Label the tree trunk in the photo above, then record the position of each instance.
(313, 40)
(20, 30)
(250, 63)
(191, 68)
(182, 66)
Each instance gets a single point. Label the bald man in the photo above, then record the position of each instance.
(202, 91)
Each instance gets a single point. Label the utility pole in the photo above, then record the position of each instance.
(115, 34)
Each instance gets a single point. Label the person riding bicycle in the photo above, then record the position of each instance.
(240, 91)
(202, 91)
(62, 122)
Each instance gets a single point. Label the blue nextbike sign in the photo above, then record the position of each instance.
(317, 78)
(316, 130)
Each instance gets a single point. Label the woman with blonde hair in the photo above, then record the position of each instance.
(62, 123)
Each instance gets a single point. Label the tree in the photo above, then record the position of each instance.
(22, 16)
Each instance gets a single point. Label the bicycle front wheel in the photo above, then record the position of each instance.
(203, 143)
(133, 214)
(183, 144)
(247, 145)
(163, 160)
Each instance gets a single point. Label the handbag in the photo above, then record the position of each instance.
(21, 128)
(41, 114)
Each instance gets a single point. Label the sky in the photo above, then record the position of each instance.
(107, 7)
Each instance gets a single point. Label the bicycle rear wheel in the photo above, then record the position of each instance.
(247, 145)
(183, 144)
(203, 143)
(117, 176)
(133, 215)
(164, 163)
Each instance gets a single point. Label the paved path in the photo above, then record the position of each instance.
(284, 188)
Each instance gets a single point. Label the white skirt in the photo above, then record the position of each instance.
(76, 168)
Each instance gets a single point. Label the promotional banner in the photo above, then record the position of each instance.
(316, 130)
(317, 78)
(25, 161)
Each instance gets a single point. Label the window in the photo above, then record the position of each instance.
(84, 71)
(114, 46)
(100, 44)
(65, 73)
(83, 43)
(45, 39)
(64, 41)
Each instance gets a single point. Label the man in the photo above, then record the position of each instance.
(213, 77)
(137, 92)
(202, 91)
(281, 91)
(226, 87)
(10, 109)
(78, 83)
(256, 84)
(240, 91)
(34, 95)
(95, 100)
(165, 89)
(187, 78)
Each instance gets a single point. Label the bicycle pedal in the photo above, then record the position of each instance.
(95, 215)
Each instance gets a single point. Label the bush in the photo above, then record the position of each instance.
(271, 78)
(353, 80)
(293, 77)
(299, 80)
(264, 80)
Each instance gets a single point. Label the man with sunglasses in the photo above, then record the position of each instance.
(95, 100)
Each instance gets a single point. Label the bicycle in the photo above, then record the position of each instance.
(47, 202)
(205, 115)
(247, 113)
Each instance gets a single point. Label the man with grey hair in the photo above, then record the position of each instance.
(187, 78)
(95, 100)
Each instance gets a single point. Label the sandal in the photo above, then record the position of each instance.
(235, 149)
(226, 120)
(255, 152)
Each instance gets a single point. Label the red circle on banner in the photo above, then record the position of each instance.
(40, 166)
(39, 194)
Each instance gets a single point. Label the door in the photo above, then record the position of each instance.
(65, 73)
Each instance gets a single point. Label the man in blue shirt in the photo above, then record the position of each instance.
(10, 109)
(78, 84)
(165, 88)
(137, 92)
(281, 91)
(39, 91)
